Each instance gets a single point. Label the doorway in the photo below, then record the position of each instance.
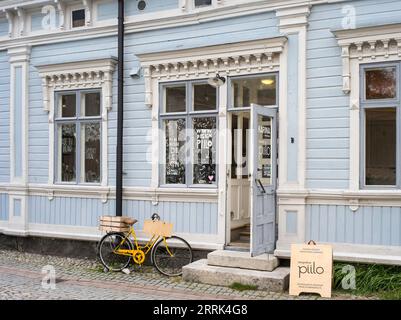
(239, 182)
(252, 176)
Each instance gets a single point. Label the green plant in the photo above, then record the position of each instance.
(242, 287)
(381, 280)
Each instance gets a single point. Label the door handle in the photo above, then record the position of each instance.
(260, 186)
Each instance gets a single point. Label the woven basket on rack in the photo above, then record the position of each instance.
(115, 224)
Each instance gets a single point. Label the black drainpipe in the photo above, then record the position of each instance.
(120, 109)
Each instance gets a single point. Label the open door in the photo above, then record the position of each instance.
(263, 178)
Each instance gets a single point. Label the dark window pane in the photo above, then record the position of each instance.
(90, 104)
(67, 152)
(204, 164)
(200, 3)
(205, 97)
(258, 90)
(175, 99)
(91, 157)
(381, 146)
(381, 83)
(68, 105)
(78, 18)
(175, 151)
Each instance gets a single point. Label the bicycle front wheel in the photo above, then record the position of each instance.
(107, 251)
(169, 255)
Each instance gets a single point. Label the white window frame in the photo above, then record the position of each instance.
(188, 115)
(76, 8)
(71, 76)
(78, 121)
(363, 46)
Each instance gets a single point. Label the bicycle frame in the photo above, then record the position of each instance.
(145, 249)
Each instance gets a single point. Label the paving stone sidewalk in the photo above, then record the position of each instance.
(21, 278)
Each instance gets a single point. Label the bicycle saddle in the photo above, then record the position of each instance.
(130, 221)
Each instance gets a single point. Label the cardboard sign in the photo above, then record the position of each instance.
(311, 269)
(158, 228)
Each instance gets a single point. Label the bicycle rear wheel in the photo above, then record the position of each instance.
(169, 255)
(107, 246)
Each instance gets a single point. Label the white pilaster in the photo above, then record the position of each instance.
(291, 195)
(19, 64)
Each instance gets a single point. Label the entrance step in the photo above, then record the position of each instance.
(243, 260)
(245, 236)
(199, 271)
(239, 245)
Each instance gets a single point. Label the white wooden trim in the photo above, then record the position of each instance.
(222, 162)
(197, 241)
(80, 75)
(19, 58)
(130, 193)
(230, 59)
(294, 21)
(363, 45)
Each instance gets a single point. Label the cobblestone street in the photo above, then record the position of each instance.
(21, 278)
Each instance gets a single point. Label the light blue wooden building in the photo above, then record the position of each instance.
(297, 138)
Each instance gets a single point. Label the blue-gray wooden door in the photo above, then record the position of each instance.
(263, 178)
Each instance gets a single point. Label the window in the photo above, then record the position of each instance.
(189, 125)
(202, 3)
(78, 18)
(261, 90)
(381, 118)
(78, 131)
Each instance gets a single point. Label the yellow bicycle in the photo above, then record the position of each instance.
(168, 254)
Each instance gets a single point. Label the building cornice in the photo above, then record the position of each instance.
(152, 21)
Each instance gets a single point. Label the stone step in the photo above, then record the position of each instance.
(238, 245)
(199, 271)
(245, 235)
(243, 260)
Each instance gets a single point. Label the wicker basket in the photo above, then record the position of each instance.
(114, 224)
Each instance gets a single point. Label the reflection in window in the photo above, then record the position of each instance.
(67, 152)
(78, 18)
(205, 97)
(261, 90)
(79, 137)
(67, 105)
(381, 83)
(189, 142)
(204, 162)
(380, 146)
(201, 3)
(91, 150)
(175, 99)
(175, 151)
(90, 104)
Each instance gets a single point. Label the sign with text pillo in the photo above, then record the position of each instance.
(311, 269)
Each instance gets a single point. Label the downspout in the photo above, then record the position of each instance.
(120, 110)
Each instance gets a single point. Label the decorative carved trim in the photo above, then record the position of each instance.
(367, 45)
(61, 7)
(78, 75)
(21, 21)
(354, 205)
(230, 59)
(10, 17)
(88, 11)
(183, 5)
